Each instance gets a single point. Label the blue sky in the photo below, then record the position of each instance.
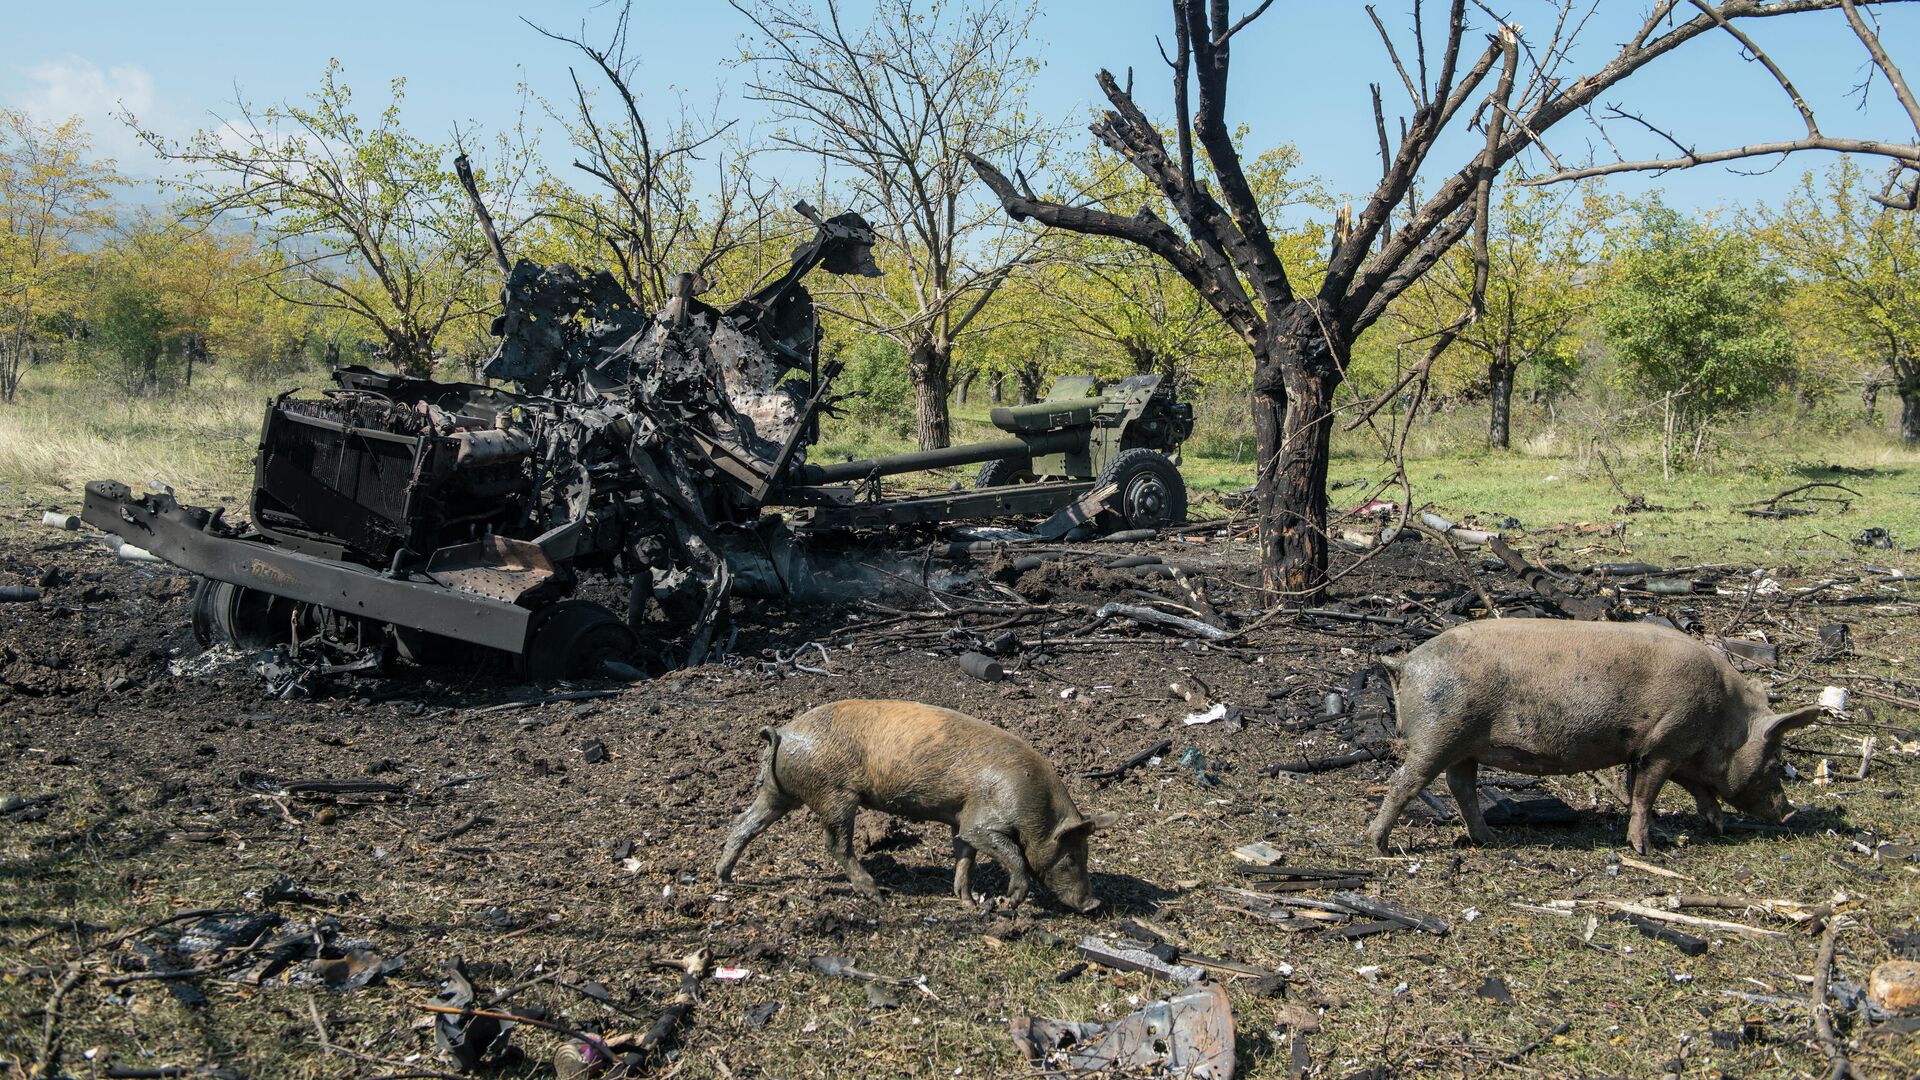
(1300, 73)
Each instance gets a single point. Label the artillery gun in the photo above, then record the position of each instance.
(1083, 439)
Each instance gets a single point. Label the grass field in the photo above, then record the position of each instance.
(63, 432)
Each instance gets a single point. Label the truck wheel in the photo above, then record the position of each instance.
(1002, 473)
(1152, 493)
(248, 618)
(571, 639)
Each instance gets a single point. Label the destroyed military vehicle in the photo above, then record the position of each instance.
(662, 455)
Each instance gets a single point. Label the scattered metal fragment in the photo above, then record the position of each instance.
(1189, 1035)
(1125, 958)
(982, 667)
(465, 1035)
(356, 969)
(1494, 989)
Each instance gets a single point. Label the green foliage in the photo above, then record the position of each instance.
(53, 197)
(876, 368)
(1130, 311)
(1691, 311)
(128, 337)
(894, 107)
(364, 217)
(1855, 308)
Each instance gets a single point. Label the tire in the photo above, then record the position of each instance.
(1152, 495)
(248, 618)
(201, 605)
(1002, 473)
(570, 640)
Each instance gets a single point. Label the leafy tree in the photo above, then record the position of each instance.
(127, 332)
(1537, 285)
(875, 368)
(1691, 313)
(893, 108)
(365, 218)
(52, 197)
(1858, 263)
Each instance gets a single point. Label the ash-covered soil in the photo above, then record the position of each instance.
(569, 845)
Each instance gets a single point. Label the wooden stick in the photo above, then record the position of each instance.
(1381, 909)
(1838, 1066)
(1691, 920)
(1133, 762)
(1649, 868)
(50, 1030)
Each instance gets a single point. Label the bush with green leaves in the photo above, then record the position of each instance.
(1692, 311)
(876, 368)
(127, 338)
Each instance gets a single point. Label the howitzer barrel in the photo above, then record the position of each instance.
(1051, 442)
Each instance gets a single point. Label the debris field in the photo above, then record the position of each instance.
(200, 877)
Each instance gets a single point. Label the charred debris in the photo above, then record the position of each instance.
(594, 519)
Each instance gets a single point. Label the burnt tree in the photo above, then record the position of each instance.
(1513, 90)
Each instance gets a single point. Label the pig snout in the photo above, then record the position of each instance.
(1083, 901)
(1071, 886)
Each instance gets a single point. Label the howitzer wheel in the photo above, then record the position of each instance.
(572, 639)
(1152, 495)
(1002, 473)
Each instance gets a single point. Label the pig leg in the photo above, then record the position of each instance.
(1463, 779)
(1412, 776)
(1007, 854)
(1647, 782)
(837, 821)
(768, 807)
(963, 854)
(1708, 804)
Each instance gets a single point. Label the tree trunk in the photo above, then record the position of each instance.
(1144, 361)
(1267, 412)
(1500, 386)
(963, 384)
(1910, 413)
(928, 364)
(996, 387)
(411, 353)
(1295, 379)
(1029, 379)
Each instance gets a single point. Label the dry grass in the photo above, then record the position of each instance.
(63, 431)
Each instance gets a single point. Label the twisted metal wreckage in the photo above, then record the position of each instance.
(391, 514)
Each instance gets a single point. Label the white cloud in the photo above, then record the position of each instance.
(72, 85)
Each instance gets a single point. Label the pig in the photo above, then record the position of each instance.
(924, 763)
(1544, 696)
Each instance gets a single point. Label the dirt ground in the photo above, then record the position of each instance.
(564, 850)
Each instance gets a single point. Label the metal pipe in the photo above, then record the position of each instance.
(1068, 440)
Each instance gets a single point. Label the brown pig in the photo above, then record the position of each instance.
(924, 763)
(1543, 696)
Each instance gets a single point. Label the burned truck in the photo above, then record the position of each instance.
(595, 518)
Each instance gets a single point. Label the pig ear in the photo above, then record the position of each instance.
(1067, 828)
(1105, 822)
(1777, 725)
